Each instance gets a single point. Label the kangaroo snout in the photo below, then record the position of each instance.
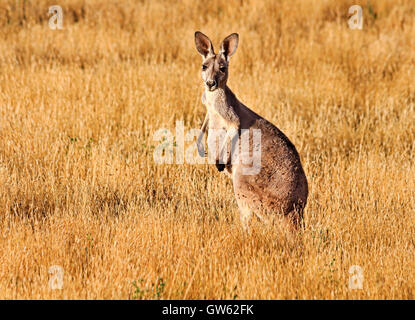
(211, 84)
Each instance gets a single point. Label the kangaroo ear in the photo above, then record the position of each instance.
(229, 45)
(203, 44)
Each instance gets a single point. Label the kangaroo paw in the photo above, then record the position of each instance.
(220, 167)
(201, 150)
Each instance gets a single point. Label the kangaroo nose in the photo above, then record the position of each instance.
(211, 83)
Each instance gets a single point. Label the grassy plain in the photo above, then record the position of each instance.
(79, 187)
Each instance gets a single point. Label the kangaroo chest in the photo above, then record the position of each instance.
(216, 121)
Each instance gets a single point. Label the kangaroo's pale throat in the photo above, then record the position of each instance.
(217, 105)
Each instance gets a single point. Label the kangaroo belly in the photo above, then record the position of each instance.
(218, 136)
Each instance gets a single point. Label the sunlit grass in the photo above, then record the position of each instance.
(80, 189)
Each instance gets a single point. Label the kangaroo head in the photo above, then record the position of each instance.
(215, 66)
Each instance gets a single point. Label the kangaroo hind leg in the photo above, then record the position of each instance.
(245, 214)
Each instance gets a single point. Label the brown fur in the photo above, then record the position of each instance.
(280, 188)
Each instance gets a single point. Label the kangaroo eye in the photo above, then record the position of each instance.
(204, 67)
(222, 69)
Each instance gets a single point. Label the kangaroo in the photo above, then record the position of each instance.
(279, 189)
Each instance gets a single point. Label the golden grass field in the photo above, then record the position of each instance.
(80, 188)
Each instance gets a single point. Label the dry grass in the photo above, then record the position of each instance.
(80, 189)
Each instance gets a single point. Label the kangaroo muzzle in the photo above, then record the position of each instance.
(211, 84)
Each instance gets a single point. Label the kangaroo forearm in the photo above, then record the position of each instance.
(205, 123)
(203, 128)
